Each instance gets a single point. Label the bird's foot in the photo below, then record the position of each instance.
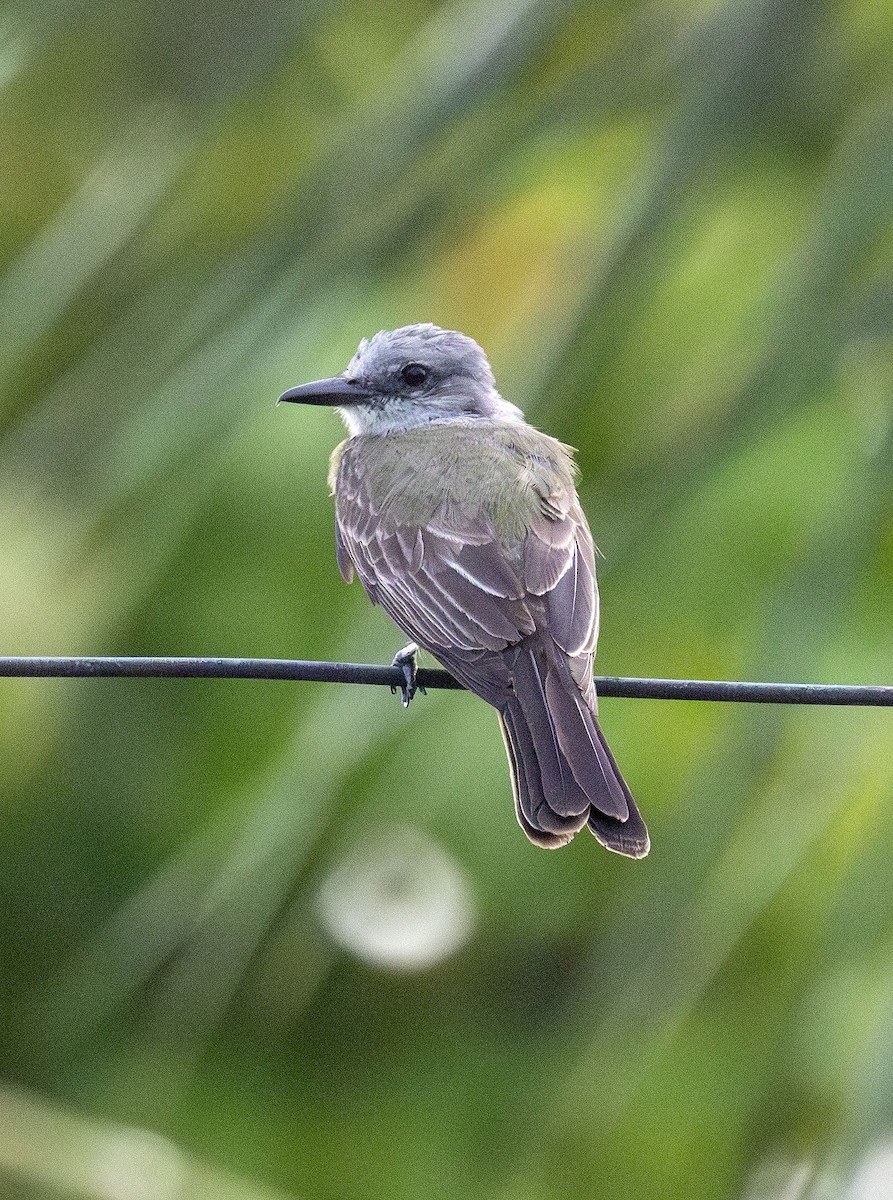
(405, 660)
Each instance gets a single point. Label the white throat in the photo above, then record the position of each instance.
(395, 414)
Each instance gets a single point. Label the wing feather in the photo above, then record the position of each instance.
(548, 553)
(412, 545)
(345, 566)
(572, 604)
(453, 587)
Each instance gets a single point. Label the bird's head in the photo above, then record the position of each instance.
(404, 378)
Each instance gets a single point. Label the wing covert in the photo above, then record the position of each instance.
(449, 586)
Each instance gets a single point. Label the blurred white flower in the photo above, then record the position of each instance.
(399, 900)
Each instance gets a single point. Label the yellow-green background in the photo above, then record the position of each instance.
(671, 226)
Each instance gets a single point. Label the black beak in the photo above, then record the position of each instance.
(332, 392)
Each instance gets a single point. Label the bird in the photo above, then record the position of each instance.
(463, 523)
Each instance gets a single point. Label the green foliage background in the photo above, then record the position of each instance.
(670, 225)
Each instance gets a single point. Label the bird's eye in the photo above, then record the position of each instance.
(414, 374)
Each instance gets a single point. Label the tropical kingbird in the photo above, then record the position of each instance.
(463, 522)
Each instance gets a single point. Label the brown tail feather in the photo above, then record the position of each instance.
(530, 792)
(523, 798)
(563, 773)
(629, 837)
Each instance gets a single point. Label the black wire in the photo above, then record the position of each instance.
(330, 672)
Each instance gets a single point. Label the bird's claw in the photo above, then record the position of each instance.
(405, 660)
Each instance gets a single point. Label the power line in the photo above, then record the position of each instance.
(330, 672)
